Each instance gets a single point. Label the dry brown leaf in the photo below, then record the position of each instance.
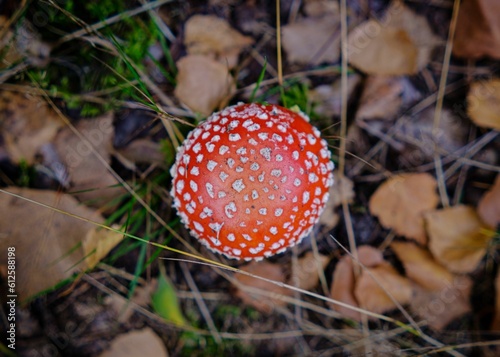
(312, 40)
(97, 243)
(203, 84)
(370, 256)
(440, 296)
(345, 287)
(478, 29)
(421, 267)
(374, 285)
(457, 237)
(46, 242)
(263, 303)
(483, 103)
(399, 44)
(90, 180)
(143, 342)
(342, 288)
(307, 271)
(384, 96)
(439, 308)
(212, 36)
(26, 123)
(489, 205)
(400, 201)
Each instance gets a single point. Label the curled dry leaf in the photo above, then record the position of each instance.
(26, 124)
(400, 201)
(313, 40)
(421, 267)
(378, 286)
(478, 29)
(343, 288)
(399, 44)
(143, 342)
(48, 244)
(440, 296)
(370, 290)
(214, 37)
(203, 84)
(483, 103)
(92, 183)
(457, 237)
(489, 205)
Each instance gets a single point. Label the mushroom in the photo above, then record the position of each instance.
(252, 180)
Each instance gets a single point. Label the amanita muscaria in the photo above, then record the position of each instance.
(252, 180)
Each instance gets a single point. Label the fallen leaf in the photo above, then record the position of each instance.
(26, 124)
(267, 270)
(364, 291)
(400, 201)
(489, 205)
(440, 296)
(47, 244)
(165, 303)
(212, 36)
(203, 84)
(375, 284)
(401, 43)
(383, 98)
(421, 267)
(439, 308)
(478, 31)
(306, 274)
(312, 40)
(342, 288)
(457, 237)
(97, 243)
(91, 182)
(143, 342)
(483, 103)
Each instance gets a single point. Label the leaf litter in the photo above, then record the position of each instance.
(439, 248)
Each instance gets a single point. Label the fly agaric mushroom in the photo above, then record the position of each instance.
(252, 180)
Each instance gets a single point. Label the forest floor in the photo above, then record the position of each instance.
(95, 98)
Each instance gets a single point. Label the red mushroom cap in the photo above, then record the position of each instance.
(252, 180)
